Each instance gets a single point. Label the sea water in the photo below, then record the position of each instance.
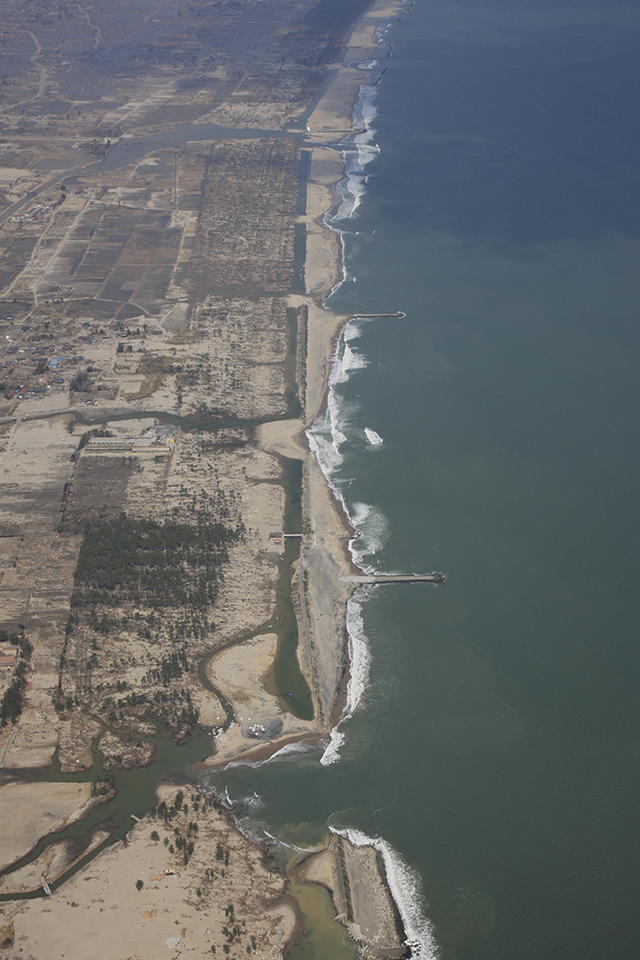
(490, 740)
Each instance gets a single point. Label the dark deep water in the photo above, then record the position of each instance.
(494, 749)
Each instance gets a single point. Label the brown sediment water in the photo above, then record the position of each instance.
(135, 796)
(323, 937)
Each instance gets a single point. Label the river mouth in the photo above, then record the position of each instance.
(173, 762)
(135, 796)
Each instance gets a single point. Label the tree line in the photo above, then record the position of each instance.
(11, 703)
(156, 564)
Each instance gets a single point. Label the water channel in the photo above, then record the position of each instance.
(135, 789)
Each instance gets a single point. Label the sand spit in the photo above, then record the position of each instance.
(241, 672)
(355, 878)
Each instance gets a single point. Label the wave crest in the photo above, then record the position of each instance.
(356, 155)
(373, 437)
(359, 662)
(404, 884)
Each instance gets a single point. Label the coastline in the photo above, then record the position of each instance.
(371, 916)
(325, 555)
(155, 893)
(319, 597)
(153, 293)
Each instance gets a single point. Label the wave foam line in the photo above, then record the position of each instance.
(353, 329)
(332, 752)
(325, 432)
(373, 437)
(359, 656)
(325, 441)
(300, 746)
(352, 360)
(404, 884)
(327, 428)
(357, 155)
(359, 664)
(373, 533)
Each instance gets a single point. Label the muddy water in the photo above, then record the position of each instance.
(135, 794)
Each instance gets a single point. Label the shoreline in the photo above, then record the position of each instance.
(328, 556)
(318, 595)
(327, 169)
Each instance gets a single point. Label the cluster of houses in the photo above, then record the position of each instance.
(30, 369)
(36, 214)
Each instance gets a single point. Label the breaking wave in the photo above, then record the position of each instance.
(328, 435)
(360, 661)
(332, 752)
(404, 885)
(301, 746)
(373, 533)
(357, 154)
(329, 441)
(374, 438)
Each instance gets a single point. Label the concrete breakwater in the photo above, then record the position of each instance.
(439, 579)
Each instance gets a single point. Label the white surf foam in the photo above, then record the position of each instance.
(359, 654)
(373, 530)
(374, 438)
(288, 844)
(328, 222)
(329, 434)
(359, 664)
(286, 751)
(327, 455)
(404, 884)
(353, 330)
(357, 154)
(345, 357)
(289, 749)
(252, 802)
(332, 752)
(352, 360)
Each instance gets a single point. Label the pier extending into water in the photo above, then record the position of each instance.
(372, 316)
(439, 579)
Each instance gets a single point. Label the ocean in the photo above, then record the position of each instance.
(490, 745)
